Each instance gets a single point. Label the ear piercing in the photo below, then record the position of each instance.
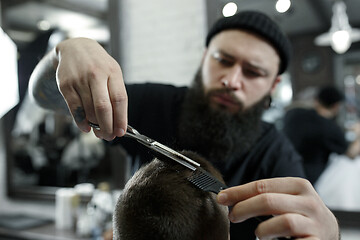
(225, 82)
(268, 102)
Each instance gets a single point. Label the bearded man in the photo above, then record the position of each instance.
(219, 117)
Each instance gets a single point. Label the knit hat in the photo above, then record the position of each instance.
(260, 24)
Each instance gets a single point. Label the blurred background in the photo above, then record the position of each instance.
(158, 41)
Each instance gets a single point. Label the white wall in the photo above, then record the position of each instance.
(163, 40)
(350, 234)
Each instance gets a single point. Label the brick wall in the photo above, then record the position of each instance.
(162, 40)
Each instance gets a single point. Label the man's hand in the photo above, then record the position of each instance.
(297, 209)
(92, 85)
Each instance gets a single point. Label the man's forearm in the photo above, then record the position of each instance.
(43, 87)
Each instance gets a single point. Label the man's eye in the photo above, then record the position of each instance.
(251, 73)
(225, 62)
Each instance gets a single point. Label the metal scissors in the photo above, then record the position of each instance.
(161, 148)
(157, 147)
(200, 177)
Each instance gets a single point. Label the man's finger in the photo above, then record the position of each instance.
(76, 108)
(103, 107)
(119, 101)
(293, 186)
(287, 225)
(87, 101)
(268, 204)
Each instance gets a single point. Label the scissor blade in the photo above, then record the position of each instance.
(175, 153)
(140, 138)
(164, 150)
(173, 157)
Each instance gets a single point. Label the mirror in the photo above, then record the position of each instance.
(44, 149)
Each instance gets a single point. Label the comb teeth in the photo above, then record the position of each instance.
(205, 181)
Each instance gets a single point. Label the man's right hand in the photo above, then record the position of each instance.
(92, 85)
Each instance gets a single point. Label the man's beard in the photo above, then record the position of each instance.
(214, 132)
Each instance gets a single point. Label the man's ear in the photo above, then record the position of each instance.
(275, 83)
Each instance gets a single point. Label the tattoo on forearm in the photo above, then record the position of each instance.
(48, 94)
(79, 114)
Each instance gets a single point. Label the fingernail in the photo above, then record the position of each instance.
(222, 197)
(108, 139)
(231, 218)
(85, 129)
(121, 132)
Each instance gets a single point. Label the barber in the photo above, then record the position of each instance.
(218, 116)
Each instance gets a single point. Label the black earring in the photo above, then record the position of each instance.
(267, 102)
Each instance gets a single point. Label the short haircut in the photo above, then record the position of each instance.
(158, 202)
(328, 96)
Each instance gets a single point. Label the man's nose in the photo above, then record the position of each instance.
(233, 78)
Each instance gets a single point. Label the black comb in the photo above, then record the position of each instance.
(206, 181)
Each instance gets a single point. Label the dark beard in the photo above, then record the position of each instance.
(214, 132)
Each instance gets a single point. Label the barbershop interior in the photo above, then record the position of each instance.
(58, 182)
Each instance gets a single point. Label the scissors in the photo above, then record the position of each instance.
(161, 148)
(157, 147)
(200, 177)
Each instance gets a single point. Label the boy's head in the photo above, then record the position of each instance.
(159, 202)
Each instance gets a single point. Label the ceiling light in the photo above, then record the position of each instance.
(340, 41)
(357, 79)
(229, 9)
(341, 34)
(43, 25)
(282, 5)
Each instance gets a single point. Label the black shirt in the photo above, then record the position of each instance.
(314, 137)
(154, 110)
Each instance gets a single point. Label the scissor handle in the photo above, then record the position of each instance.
(132, 130)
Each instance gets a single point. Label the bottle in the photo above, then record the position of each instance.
(66, 203)
(84, 221)
(101, 208)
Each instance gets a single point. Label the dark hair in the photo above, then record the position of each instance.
(328, 96)
(260, 24)
(158, 202)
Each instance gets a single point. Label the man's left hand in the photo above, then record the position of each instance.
(297, 209)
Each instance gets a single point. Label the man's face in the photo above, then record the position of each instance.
(243, 64)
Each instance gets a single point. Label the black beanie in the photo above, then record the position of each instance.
(260, 24)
